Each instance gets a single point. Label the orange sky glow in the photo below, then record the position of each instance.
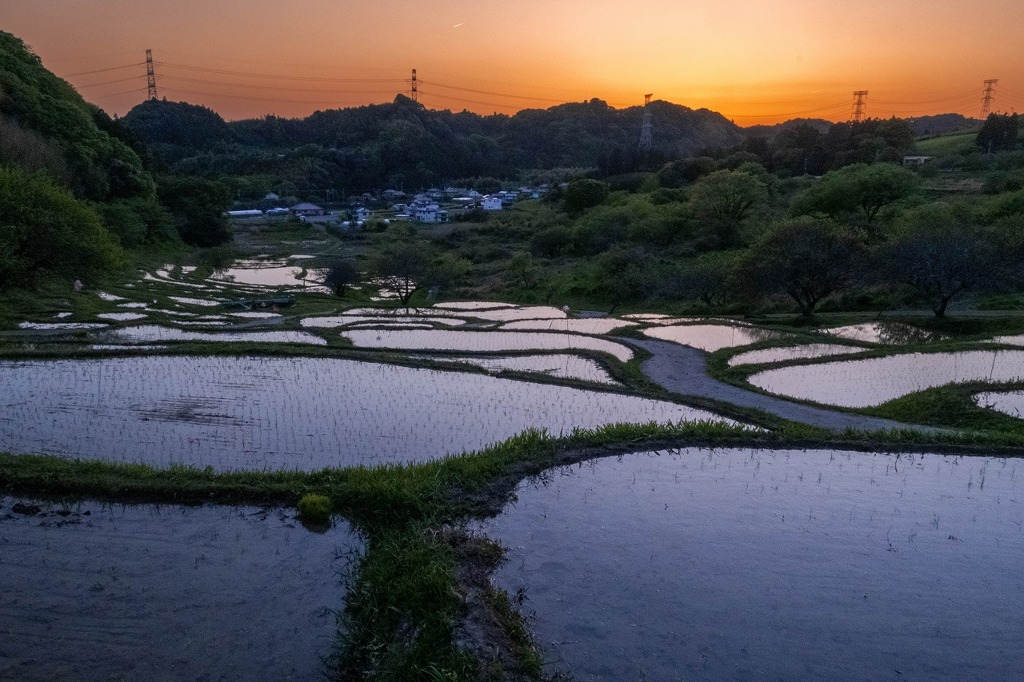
(755, 61)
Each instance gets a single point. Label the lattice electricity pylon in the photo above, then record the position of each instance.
(859, 104)
(150, 76)
(646, 132)
(987, 96)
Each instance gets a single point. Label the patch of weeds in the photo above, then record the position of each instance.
(315, 509)
(401, 611)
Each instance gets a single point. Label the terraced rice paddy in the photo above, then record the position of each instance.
(885, 333)
(335, 321)
(158, 334)
(269, 413)
(712, 337)
(784, 353)
(558, 365)
(481, 341)
(139, 592)
(268, 273)
(759, 564)
(1007, 402)
(863, 383)
(596, 325)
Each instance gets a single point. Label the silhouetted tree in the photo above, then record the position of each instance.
(805, 258)
(999, 132)
(340, 275)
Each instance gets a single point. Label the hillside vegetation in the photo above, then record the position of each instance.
(74, 195)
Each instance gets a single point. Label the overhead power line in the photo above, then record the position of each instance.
(112, 68)
(250, 74)
(118, 80)
(172, 73)
(119, 94)
(249, 86)
(487, 92)
(330, 100)
(841, 106)
(955, 99)
(449, 98)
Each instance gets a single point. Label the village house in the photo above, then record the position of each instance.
(429, 213)
(306, 209)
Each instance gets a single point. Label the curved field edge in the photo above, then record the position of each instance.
(954, 406)
(420, 604)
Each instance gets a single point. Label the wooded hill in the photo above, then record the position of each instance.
(404, 144)
(73, 193)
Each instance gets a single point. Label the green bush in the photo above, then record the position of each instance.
(314, 508)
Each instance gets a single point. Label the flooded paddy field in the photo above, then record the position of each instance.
(885, 333)
(559, 365)
(873, 381)
(274, 413)
(712, 337)
(481, 341)
(142, 592)
(749, 564)
(595, 325)
(1007, 402)
(783, 353)
(149, 333)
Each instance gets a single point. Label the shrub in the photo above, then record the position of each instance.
(314, 508)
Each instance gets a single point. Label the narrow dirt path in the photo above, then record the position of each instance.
(683, 370)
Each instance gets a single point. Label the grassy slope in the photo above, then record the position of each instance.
(947, 145)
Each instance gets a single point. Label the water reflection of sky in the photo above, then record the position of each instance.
(712, 337)
(274, 413)
(1008, 402)
(481, 341)
(885, 333)
(141, 592)
(750, 564)
(805, 352)
(862, 383)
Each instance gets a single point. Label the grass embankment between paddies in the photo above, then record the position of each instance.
(420, 604)
(954, 406)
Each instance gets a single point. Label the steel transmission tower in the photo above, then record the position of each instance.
(987, 96)
(150, 76)
(859, 103)
(415, 93)
(646, 135)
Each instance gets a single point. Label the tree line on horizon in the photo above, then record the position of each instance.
(79, 190)
(402, 145)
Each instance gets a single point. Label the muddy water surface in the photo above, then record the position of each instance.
(98, 592)
(758, 565)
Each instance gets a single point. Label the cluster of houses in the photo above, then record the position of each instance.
(424, 207)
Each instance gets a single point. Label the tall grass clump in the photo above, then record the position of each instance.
(315, 508)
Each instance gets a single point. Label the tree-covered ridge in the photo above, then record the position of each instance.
(73, 194)
(401, 143)
(44, 112)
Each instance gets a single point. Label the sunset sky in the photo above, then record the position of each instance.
(755, 61)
